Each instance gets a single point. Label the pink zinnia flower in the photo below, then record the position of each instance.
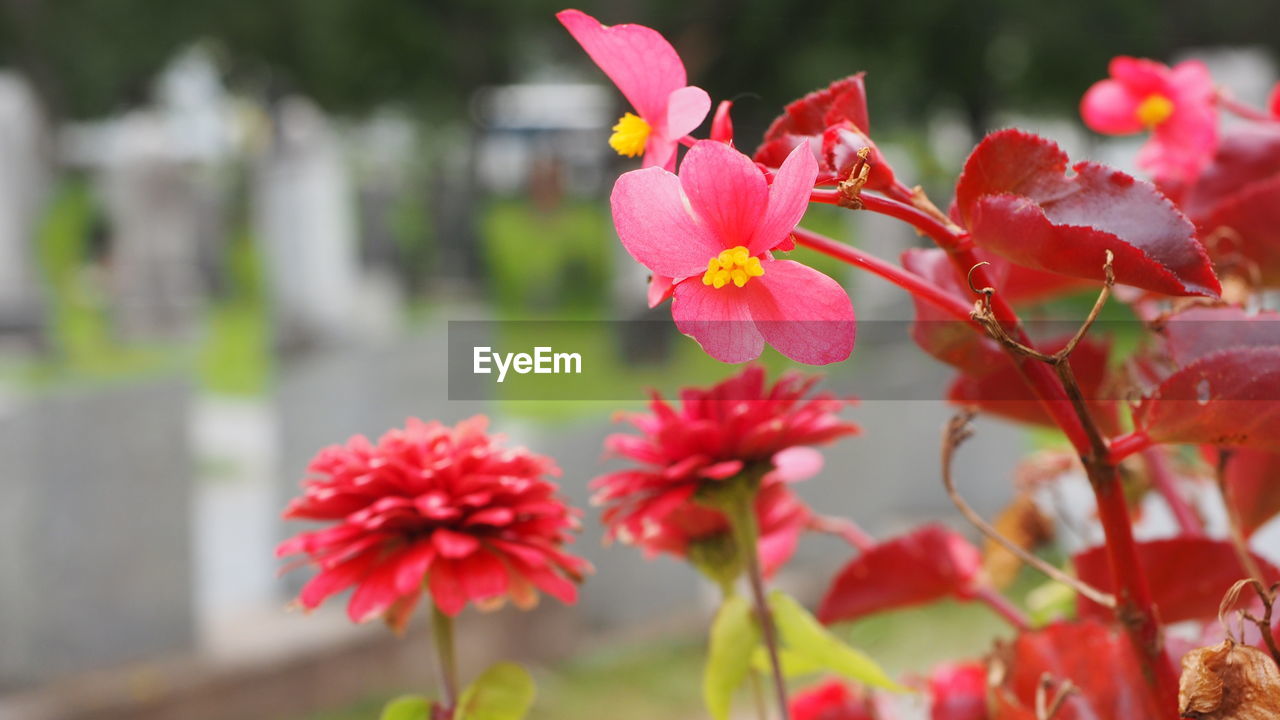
(711, 230)
(1176, 104)
(432, 507)
(650, 74)
(740, 425)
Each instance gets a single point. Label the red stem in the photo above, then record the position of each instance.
(1238, 108)
(1005, 609)
(1166, 484)
(895, 274)
(843, 528)
(1125, 445)
(1135, 609)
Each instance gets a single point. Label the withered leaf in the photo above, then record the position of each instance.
(1229, 681)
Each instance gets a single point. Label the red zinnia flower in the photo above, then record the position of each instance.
(741, 424)
(438, 508)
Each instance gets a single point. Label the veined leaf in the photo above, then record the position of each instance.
(804, 636)
(503, 692)
(734, 635)
(407, 707)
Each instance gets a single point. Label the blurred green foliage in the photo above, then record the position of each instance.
(89, 57)
(547, 263)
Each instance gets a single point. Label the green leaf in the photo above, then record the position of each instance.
(734, 636)
(793, 665)
(407, 707)
(812, 643)
(503, 692)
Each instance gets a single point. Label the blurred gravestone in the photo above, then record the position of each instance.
(304, 216)
(94, 530)
(24, 179)
(152, 207)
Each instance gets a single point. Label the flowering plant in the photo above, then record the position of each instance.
(1190, 253)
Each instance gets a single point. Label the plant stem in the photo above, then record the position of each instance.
(1166, 484)
(1239, 109)
(1005, 609)
(1135, 609)
(1125, 445)
(742, 516)
(895, 274)
(1061, 398)
(442, 634)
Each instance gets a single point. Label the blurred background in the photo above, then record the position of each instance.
(234, 231)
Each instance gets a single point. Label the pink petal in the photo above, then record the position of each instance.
(722, 123)
(796, 463)
(483, 576)
(414, 565)
(1109, 107)
(687, 107)
(1274, 103)
(788, 199)
(718, 319)
(637, 59)
(660, 289)
(660, 152)
(334, 580)
(452, 544)
(726, 191)
(1141, 76)
(802, 313)
(656, 228)
(376, 592)
(446, 587)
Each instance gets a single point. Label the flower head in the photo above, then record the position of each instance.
(1176, 104)
(447, 509)
(742, 425)
(711, 231)
(651, 76)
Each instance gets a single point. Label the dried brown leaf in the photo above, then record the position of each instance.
(1229, 682)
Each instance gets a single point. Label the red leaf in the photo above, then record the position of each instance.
(844, 99)
(1188, 576)
(1247, 225)
(1096, 658)
(1199, 331)
(926, 565)
(1245, 156)
(1227, 397)
(1016, 199)
(1253, 486)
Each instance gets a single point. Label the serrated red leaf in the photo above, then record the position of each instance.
(1227, 397)
(844, 99)
(1188, 576)
(1016, 199)
(1096, 658)
(925, 565)
(1252, 478)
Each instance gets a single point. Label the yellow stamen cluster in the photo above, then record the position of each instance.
(630, 135)
(1155, 109)
(733, 265)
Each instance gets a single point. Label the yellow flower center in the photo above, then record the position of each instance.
(630, 135)
(1155, 109)
(733, 265)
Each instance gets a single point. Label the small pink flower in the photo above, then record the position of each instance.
(711, 230)
(1176, 104)
(1274, 102)
(650, 74)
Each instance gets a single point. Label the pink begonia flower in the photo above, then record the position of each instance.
(1274, 102)
(1176, 104)
(710, 230)
(651, 76)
